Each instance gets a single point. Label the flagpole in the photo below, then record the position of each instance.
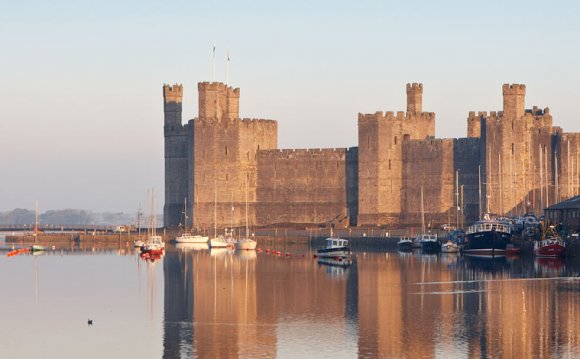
(228, 68)
(213, 65)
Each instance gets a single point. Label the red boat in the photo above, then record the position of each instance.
(551, 244)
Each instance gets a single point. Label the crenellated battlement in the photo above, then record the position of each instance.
(301, 153)
(172, 93)
(514, 89)
(414, 87)
(217, 86)
(391, 116)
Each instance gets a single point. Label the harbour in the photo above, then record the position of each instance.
(195, 301)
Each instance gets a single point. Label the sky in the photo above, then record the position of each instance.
(81, 106)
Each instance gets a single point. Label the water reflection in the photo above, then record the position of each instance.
(243, 304)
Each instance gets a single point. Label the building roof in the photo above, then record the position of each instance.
(570, 203)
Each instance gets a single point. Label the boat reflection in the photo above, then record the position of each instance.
(191, 246)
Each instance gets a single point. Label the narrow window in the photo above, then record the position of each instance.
(513, 149)
(226, 150)
(389, 164)
(395, 140)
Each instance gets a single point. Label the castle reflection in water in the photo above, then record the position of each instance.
(385, 305)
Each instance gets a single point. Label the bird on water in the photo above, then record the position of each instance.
(90, 322)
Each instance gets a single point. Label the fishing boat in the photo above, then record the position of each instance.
(450, 247)
(246, 243)
(551, 244)
(487, 238)
(335, 248)
(405, 244)
(429, 243)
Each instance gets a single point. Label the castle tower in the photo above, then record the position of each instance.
(225, 154)
(380, 138)
(513, 100)
(217, 100)
(414, 97)
(175, 156)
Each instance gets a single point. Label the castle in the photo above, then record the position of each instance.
(512, 162)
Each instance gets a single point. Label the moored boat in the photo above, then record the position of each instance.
(429, 243)
(449, 247)
(246, 244)
(37, 247)
(405, 244)
(551, 244)
(335, 248)
(487, 238)
(191, 238)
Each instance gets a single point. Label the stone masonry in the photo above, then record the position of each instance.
(512, 162)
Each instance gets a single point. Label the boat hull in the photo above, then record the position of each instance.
(246, 244)
(449, 248)
(218, 243)
(552, 250)
(430, 246)
(337, 252)
(192, 239)
(405, 246)
(489, 243)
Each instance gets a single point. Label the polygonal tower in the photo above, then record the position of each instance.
(175, 156)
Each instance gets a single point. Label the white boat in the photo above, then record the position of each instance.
(335, 248)
(216, 241)
(190, 238)
(138, 243)
(246, 243)
(187, 237)
(449, 247)
(154, 243)
(219, 242)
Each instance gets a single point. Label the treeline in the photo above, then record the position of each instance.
(67, 217)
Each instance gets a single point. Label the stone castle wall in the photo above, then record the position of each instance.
(302, 186)
(512, 161)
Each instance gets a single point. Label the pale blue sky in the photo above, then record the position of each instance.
(80, 81)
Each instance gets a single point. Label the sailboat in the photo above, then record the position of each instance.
(246, 243)
(187, 237)
(36, 247)
(216, 241)
(429, 242)
(155, 244)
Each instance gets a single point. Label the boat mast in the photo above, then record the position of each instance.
(36, 224)
(422, 212)
(247, 229)
(185, 215)
(215, 209)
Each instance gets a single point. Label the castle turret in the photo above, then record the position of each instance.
(513, 100)
(217, 100)
(414, 97)
(175, 156)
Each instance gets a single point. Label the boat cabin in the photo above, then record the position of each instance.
(336, 242)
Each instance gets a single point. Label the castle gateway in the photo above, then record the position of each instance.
(512, 162)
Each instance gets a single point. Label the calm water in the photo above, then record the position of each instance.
(197, 303)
